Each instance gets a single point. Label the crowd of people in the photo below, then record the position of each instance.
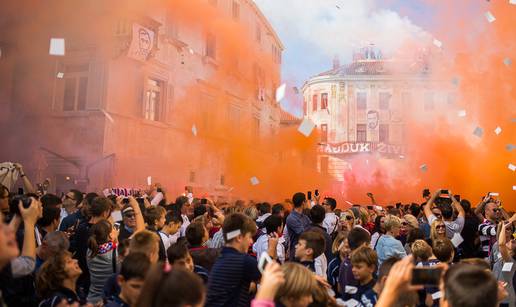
(85, 249)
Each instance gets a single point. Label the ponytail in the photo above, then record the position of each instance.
(99, 234)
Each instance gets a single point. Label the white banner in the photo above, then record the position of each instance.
(142, 43)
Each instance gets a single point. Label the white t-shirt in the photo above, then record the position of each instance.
(330, 222)
(262, 245)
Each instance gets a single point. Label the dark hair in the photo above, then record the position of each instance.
(298, 199)
(415, 209)
(90, 197)
(386, 266)
(238, 221)
(466, 205)
(77, 195)
(470, 285)
(446, 211)
(443, 249)
(99, 234)
(174, 288)
(272, 223)
(332, 202)
(177, 251)
(181, 201)
(426, 192)
(277, 208)
(99, 206)
(152, 214)
(199, 210)
(377, 224)
(317, 214)
(264, 208)
(357, 237)
(314, 240)
(50, 200)
(51, 275)
(415, 234)
(195, 233)
(135, 266)
(171, 217)
(50, 214)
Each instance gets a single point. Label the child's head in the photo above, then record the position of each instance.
(421, 250)
(173, 223)
(238, 230)
(196, 234)
(310, 245)
(100, 233)
(146, 242)
(274, 224)
(358, 237)
(363, 261)
(469, 285)
(155, 217)
(443, 250)
(384, 270)
(179, 256)
(298, 286)
(131, 277)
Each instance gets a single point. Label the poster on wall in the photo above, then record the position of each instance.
(141, 43)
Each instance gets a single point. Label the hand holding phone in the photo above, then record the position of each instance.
(264, 260)
(426, 276)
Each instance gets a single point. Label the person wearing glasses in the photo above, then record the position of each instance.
(453, 226)
(490, 214)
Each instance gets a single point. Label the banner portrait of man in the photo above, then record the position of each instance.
(373, 118)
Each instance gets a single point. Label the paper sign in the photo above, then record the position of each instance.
(507, 266)
(306, 127)
(461, 113)
(280, 92)
(423, 168)
(233, 234)
(512, 167)
(490, 18)
(351, 290)
(254, 181)
(457, 239)
(507, 61)
(194, 130)
(57, 46)
(498, 130)
(107, 116)
(478, 132)
(437, 295)
(149, 180)
(437, 43)
(60, 75)
(106, 192)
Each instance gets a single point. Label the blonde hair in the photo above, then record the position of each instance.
(299, 282)
(433, 229)
(251, 212)
(341, 236)
(391, 221)
(421, 250)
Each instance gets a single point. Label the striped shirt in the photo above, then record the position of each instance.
(230, 278)
(487, 231)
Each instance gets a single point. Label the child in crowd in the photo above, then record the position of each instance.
(234, 270)
(364, 261)
(170, 231)
(155, 219)
(309, 247)
(274, 228)
(357, 237)
(370, 296)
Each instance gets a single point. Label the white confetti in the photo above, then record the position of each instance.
(498, 130)
(149, 180)
(280, 92)
(190, 50)
(512, 2)
(489, 16)
(507, 62)
(254, 181)
(423, 168)
(457, 239)
(60, 75)
(461, 113)
(438, 43)
(509, 147)
(507, 267)
(514, 187)
(57, 46)
(107, 115)
(306, 127)
(437, 295)
(194, 130)
(512, 167)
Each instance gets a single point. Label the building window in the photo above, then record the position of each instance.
(192, 176)
(76, 87)
(324, 101)
(258, 36)
(361, 132)
(211, 46)
(152, 103)
(429, 101)
(361, 101)
(324, 165)
(384, 133)
(314, 103)
(235, 9)
(384, 101)
(324, 133)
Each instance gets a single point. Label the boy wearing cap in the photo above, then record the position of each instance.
(128, 224)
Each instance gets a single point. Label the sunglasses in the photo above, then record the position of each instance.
(129, 216)
(349, 217)
(496, 210)
(440, 227)
(404, 223)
